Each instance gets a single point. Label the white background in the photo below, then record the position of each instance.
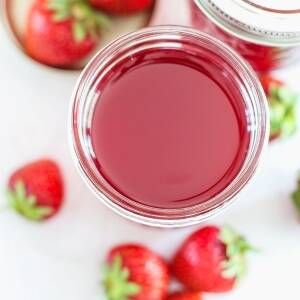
(61, 259)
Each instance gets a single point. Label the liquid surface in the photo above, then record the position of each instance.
(165, 134)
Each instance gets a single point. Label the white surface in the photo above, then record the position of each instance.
(61, 259)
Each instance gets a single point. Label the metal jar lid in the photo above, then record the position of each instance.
(267, 22)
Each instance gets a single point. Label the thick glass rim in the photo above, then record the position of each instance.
(253, 22)
(163, 36)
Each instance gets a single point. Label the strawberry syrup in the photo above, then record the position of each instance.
(169, 131)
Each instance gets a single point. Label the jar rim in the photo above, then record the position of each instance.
(151, 216)
(288, 7)
(255, 21)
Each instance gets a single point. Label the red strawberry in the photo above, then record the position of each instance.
(211, 260)
(282, 105)
(123, 7)
(62, 32)
(36, 190)
(184, 296)
(135, 272)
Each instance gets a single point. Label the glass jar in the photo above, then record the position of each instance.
(266, 33)
(160, 41)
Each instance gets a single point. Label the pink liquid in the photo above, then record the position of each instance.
(169, 131)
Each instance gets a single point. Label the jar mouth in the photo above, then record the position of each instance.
(164, 37)
(256, 21)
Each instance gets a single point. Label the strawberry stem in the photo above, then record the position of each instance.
(282, 104)
(81, 10)
(26, 205)
(116, 281)
(86, 20)
(235, 265)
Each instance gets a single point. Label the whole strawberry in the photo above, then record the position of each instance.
(135, 272)
(62, 32)
(36, 190)
(184, 296)
(282, 106)
(122, 7)
(211, 260)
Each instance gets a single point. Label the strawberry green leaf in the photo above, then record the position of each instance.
(102, 20)
(79, 31)
(289, 126)
(296, 197)
(116, 281)
(61, 9)
(235, 266)
(81, 10)
(282, 106)
(296, 201)
(61, 16)
(26, 205)
(58, 4)
(86, 21)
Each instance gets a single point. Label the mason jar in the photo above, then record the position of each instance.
(265, 32)
(168, 162)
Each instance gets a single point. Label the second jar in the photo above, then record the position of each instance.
(266, 33)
